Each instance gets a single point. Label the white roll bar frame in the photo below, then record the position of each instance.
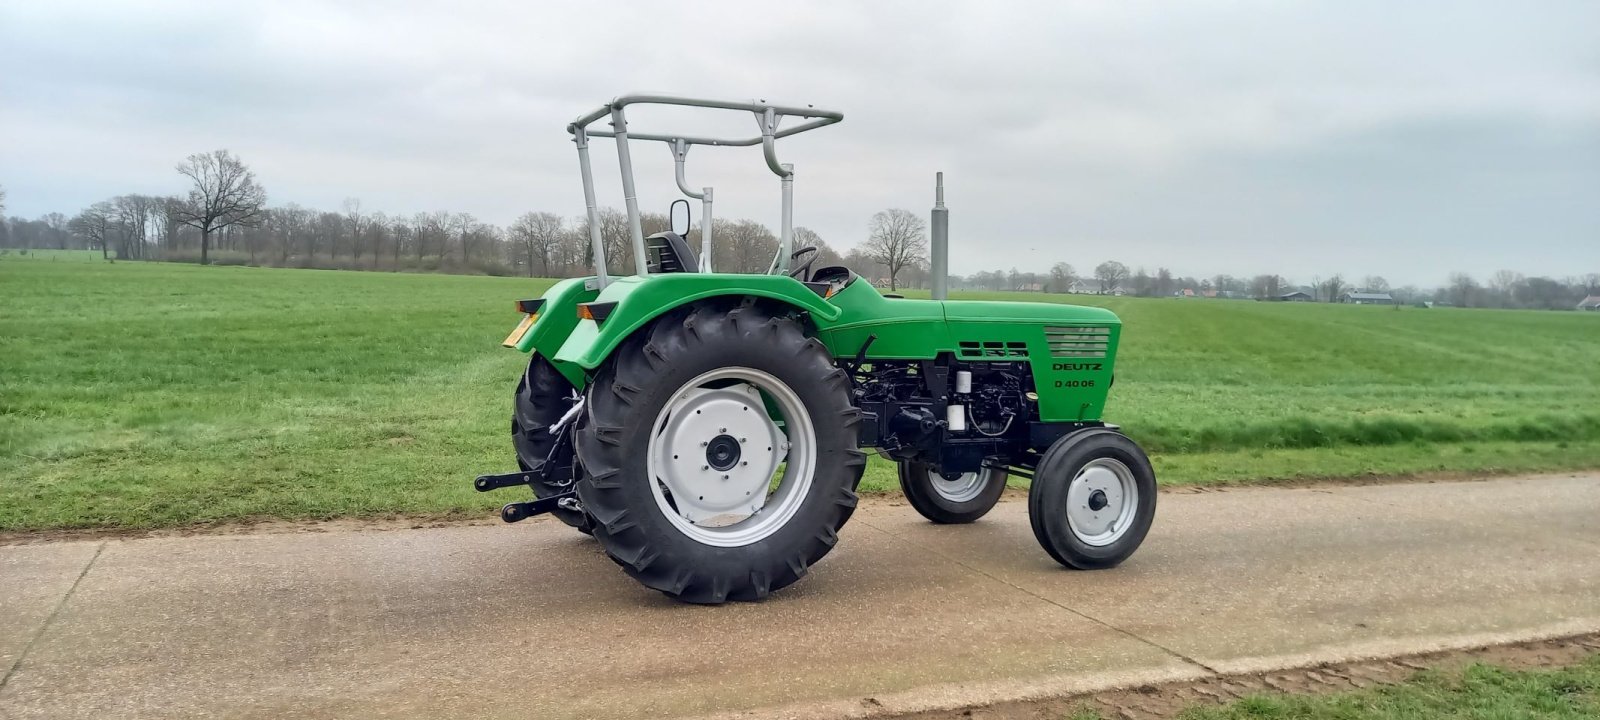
(768, 117)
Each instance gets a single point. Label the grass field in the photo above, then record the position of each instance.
(144, 394)
(1478, 692)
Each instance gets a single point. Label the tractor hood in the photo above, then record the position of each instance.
(1003, 311)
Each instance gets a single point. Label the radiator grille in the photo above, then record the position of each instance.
(1077, 342)
(993, 349)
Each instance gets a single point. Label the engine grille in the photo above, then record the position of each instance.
(1077, 342)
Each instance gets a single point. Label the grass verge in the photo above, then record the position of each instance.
(1479, 692)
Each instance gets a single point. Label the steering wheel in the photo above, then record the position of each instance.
(802, 272)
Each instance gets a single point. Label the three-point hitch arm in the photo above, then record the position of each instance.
(768, 117)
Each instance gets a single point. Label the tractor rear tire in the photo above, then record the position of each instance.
(639, 421)
(951, 501)
(1092, 499)
(543, 396)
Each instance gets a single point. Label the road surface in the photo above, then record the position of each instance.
(532, 620)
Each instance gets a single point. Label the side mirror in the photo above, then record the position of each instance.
(673, 214)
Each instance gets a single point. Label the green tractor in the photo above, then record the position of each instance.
(709, 429)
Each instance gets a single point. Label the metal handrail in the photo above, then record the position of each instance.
(768, 117)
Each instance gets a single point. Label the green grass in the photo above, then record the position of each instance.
(145, 394)
(1479, 692)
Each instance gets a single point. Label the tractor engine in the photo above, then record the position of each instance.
(950, 415)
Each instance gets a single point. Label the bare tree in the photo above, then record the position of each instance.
(1110, 274)
(1463, 289)
(575, 249)
(464, 224)
(743, 246)
(616, 238)
(1375, 284)
(357, 224)
(1503, 283)
(422, 225)
(60, 228)
(536, 235)
(1333, 287)
(1266, 286)
(225, 194)
(827, 256)
(1164, 282)
(400, 229)
(133, 215)
(93, 226)
(1062, 276)
(896, 238)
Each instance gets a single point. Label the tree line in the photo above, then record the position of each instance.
(1504, 289)
(224, 218)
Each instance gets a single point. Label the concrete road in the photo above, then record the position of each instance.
(533, 621)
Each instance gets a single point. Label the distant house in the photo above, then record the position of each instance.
(1591, 303)
(1366, 298)
(1184, 293)
(1296, 296)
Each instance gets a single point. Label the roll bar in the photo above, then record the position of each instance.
(768, 117)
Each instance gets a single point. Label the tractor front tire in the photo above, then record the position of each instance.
(543, 396)
(953, 500)
(682, 426)
(1092, 499)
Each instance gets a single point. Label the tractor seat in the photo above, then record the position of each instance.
(669, 253)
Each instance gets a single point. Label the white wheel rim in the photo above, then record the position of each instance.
(1102, 502)
(960, 489)
(715, 452)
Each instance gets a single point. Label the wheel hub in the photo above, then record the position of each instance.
(1101, 501)
(722, 453)
(957, 487)
(717, 452)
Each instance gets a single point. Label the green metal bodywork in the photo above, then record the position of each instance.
(558, 316)
(1071, 348)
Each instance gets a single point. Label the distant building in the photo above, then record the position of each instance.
(1296, 296)
(1591, 303)
(1184, 293)
(1366, 298)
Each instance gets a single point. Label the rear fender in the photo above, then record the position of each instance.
(558, 315)
(639, 300)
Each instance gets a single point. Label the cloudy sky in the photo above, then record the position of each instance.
(1405, 139)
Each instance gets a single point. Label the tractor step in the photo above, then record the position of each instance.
(519, 511)
(485, 483)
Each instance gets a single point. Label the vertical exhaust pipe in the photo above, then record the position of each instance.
(941, 241)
